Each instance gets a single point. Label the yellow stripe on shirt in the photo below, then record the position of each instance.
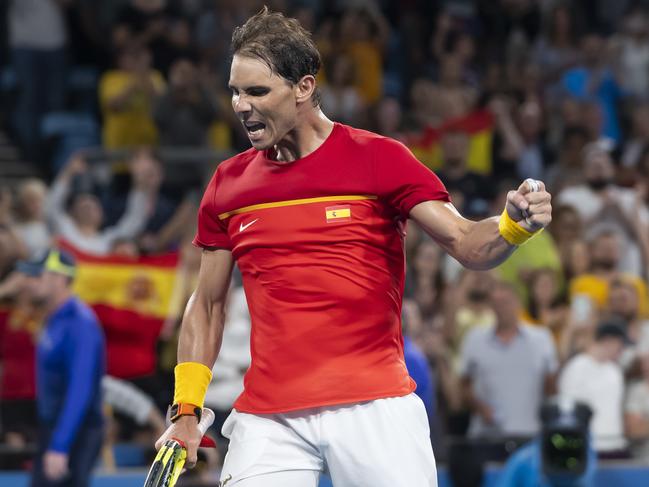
(304, 201)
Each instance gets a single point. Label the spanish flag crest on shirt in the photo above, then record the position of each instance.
(341, 213)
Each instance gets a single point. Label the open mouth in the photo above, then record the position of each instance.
(255, 129)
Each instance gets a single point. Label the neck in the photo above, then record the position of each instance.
(87, 230)
(305, 138)
(597, 353)
(57, 300)
(506, 331)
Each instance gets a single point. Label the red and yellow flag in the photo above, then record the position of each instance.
(478, 125)
(131, 298)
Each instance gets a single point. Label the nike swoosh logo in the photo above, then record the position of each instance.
(242, 227)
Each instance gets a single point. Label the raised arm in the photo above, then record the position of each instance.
(200, 338)
(485, 244)
(55, 210)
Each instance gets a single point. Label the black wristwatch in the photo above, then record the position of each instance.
(184, 409)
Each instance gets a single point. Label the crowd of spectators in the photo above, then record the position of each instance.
(563, 87)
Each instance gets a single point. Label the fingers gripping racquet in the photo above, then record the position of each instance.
(170, 460)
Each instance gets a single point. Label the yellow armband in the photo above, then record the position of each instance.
(512, 231)
(192, 379)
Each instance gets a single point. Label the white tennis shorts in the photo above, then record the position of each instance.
(380, 443)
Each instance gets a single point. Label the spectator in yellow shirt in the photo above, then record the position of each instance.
(605, 254)
(127, 95)
(364, 33)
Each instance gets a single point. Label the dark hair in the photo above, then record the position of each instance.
(613, 328)
(280, 42)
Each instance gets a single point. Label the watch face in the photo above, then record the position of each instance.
(565, 452)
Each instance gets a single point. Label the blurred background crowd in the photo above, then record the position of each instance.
(114, 113)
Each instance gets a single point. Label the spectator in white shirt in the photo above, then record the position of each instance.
(600, 202)
(31, 225)
(595, 377)
(637, 411)
(82, 226)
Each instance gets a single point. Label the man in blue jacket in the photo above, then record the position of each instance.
(70, 363)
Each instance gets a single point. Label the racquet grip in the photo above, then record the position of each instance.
(170, 460)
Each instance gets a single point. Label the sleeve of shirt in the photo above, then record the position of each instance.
(85, 352)
(569, 381)
(132, 221)
(126, 398)
(55, 211)
(402, 180)
(111, 85)
(212, 231)
(636, 401)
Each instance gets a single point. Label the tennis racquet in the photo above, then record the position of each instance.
(170, 460)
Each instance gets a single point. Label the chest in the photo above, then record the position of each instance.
(512, 361)
(53, 348)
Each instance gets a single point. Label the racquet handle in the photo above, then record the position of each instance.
(170, 460)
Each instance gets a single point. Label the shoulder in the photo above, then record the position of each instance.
(639, 389)
(233, 166)
(478, 335)
(539, 333)
(365, 139)
(241, 159)
(574, 193)
(86, 314)
(577, 363)
(112, 76)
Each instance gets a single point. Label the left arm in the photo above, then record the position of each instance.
(85, 355)
(480, 245)
(85, 351)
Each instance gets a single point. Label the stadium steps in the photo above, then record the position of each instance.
(12, 165)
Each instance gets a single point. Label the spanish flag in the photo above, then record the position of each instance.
(342, 213)
(478, 125)
(132, 298)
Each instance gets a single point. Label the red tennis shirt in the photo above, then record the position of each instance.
(319, 243)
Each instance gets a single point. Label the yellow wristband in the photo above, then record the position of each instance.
(512, 231)
(192, 379)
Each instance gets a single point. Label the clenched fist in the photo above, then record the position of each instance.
(530, 206)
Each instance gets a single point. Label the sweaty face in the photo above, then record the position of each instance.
(263, 101)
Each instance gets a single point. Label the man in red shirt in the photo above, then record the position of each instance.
(314, 216)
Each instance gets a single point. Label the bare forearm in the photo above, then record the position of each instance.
(637, 427)
(201, 332)
(482, 247)
(473, 404)
(476, 245)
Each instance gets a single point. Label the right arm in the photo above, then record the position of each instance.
(202, 325)
(475, 405)
(636, 423)
(468, 365)
(201, 334)
(55, 210)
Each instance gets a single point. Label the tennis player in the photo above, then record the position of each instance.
(314, 215)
